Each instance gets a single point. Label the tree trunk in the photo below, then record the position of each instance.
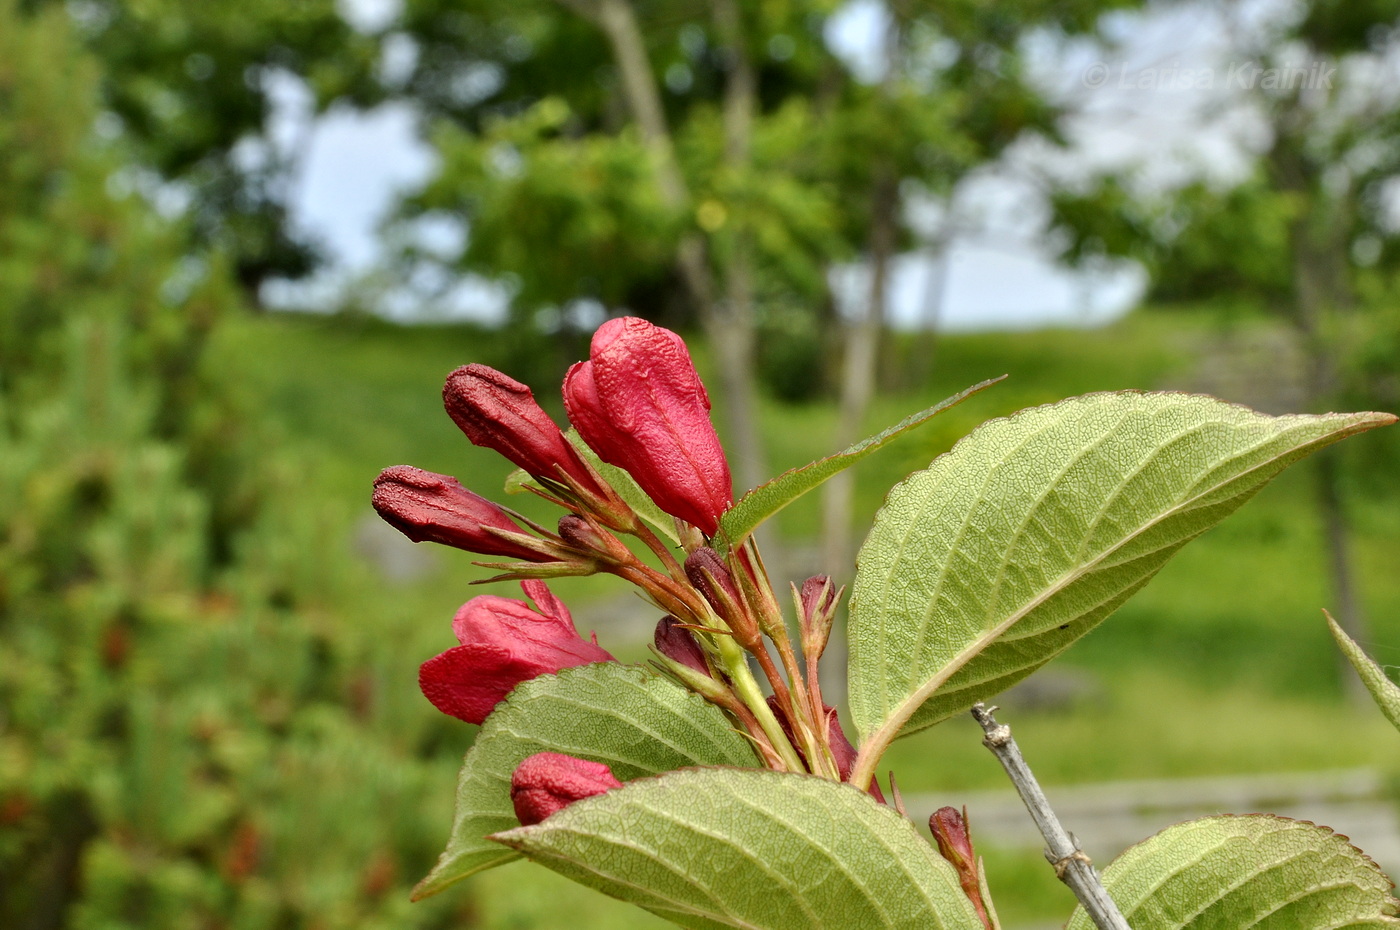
(863, 345)
(1320, 289)
(733, 327)
(1346, 607)
(858, 377)
(938, 254)
(727, 322)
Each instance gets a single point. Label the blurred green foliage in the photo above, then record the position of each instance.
(188, 737)
(192, 88)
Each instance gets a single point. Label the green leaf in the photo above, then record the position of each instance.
(520, 481)
(627, 489)
(767, 499)
(754, 849)
(636, 721)
(1257, 871)
(1033, 529)
(1385, 692)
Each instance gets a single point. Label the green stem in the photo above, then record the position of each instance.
(746, 686)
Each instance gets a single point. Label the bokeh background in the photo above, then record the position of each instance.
(242, 244)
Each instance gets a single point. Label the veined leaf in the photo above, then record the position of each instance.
(1385, 692)
(1033, 529)
(767, 499)
(754, 849)
(637, 722)
(1257, 871)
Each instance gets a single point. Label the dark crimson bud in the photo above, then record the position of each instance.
(548, 782)
(711, 577)
(503, 642)
(579, 533)
(707, 572)
(639, 404)
(497, 412)
(678, 644)
(426, 506)
(818, 596)
(949, 828)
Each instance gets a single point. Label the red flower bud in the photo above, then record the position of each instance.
(504, 642)
(581, 534)
(712, 578)
(816, 610)
(640, 405)
(427, 506)
(949, 828)
(497, 412)
(548, 782)
(678, 644)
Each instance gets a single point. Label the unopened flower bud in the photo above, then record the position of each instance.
(949, 828)
(639, 404)
(548, 782)
(711, 577)
(707, 572)
(497, 412)
(581, 534)
(678, 644)
(844, 753)
(426, 506)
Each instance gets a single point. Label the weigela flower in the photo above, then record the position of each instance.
(497, 412)
(504, 642)
(426, 506)
(639, 404)
(548, 782)
(949, 828)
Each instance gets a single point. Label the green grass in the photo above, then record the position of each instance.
(1222, 665)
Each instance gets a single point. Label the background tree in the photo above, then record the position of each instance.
(191, 88)
(1306, 232)
(713, 163)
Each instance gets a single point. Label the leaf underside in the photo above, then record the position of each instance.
(635, 721)
(1385, 692)
(711, 848)
(1257, 871)
(1036, 527)
(767, 499)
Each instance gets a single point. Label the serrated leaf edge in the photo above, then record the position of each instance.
(728, 536)
(1329, 831)
(432, 883)
(879, 740)
(514, 838)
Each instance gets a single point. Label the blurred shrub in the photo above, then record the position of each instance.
(186, 738)
(792, 355)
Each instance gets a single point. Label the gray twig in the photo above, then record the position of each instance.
(1071, 865)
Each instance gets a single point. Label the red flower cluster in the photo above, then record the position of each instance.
(638, 403)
